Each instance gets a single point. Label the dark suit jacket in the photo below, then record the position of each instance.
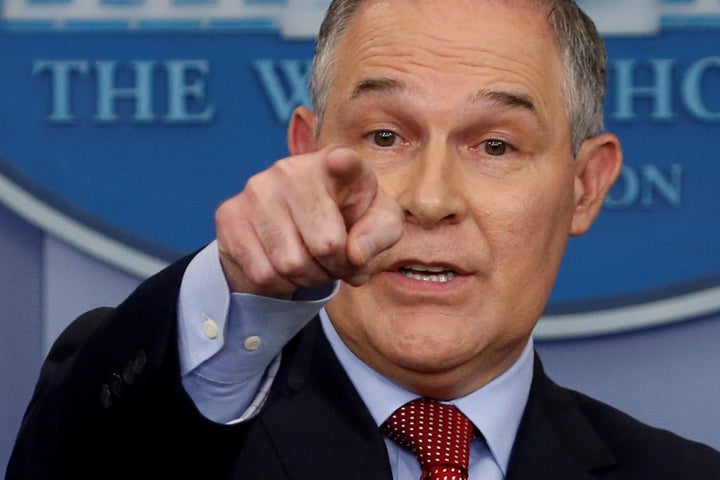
(109, 404)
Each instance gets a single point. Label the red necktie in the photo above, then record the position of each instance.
(439, 435)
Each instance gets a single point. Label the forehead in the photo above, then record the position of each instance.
(453, 45)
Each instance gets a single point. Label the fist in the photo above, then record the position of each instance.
(308, 220)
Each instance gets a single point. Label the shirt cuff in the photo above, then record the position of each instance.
(227, 341)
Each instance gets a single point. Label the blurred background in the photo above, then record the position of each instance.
(126, 122)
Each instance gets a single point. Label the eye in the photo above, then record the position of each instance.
(384, 138)
(496, 148)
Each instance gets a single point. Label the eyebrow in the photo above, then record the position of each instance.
(497, 97)
(376, 85)
(504, 99)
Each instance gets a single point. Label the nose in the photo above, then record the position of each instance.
(432, 191)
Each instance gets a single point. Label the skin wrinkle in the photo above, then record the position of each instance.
(388, 86)
(495, 98)
(441, 48)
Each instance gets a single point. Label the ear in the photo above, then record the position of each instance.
(301, 131)
(598, 165)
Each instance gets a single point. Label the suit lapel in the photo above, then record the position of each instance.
(555, 439)
(317, 423)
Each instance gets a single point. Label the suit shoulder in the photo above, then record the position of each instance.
(74, 335)
(641, 446)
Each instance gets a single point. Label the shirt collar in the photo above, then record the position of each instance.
(495, 409)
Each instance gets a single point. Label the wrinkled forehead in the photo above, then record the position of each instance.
(472, 32)
(437, 49)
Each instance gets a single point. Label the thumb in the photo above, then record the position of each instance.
(377, 230)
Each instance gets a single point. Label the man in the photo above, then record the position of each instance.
(453, 149)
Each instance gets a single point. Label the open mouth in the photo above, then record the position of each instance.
(428, 273)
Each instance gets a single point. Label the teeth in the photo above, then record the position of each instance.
(428, 273)
(425, 268)
(439, 277)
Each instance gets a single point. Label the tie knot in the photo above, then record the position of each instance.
(439, 435)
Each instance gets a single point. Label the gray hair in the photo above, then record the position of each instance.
(582, 52)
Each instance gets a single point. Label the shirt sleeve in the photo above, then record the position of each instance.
(229, 343)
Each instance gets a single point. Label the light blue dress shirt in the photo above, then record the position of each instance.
(230, 349)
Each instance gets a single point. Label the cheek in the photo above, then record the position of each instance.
(527, 230)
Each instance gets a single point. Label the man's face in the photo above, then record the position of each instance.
(458, 107)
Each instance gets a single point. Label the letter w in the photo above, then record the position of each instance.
(285, 83)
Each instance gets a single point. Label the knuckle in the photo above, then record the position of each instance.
(261, 274)
(223, 214)
(232, 209)
(255, 186)
(393, 221)
(235, 255)
(284, 167)
(389, 219)
(327, 246)
(290, 265)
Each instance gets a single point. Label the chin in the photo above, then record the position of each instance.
(433, 373)
(427, 355)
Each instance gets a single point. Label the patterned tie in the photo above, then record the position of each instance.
(439, 435)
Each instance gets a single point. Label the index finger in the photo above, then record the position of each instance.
(350, 182)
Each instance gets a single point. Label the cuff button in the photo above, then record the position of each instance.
(210, 329)
(252, 343)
